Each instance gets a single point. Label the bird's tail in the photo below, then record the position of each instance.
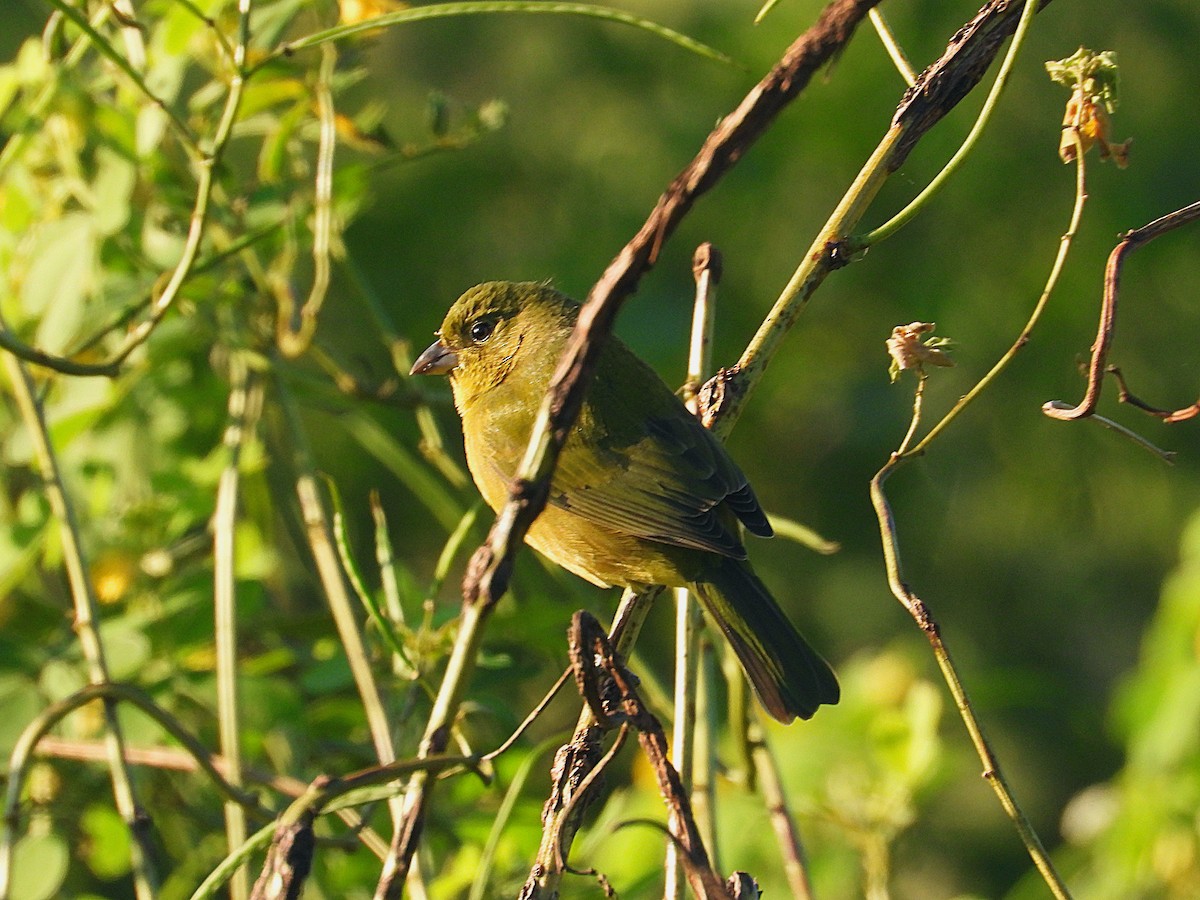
(789, 677)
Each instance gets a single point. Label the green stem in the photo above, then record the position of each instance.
(322, 544)
(86, 621)
(295, 337)
(893, 48)
(40, 105)
(121, 62)
(815, 265)
(909, 212)
(209, 162)
(245, 399)
(921, 615)
(443, 10)
(1064, 246)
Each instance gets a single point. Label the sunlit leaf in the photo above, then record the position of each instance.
(106, 851)
(39, 867)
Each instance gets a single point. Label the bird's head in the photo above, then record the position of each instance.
(493, 328)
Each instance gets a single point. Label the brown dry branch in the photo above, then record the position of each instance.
(618, 693)
(288, 862)
(575, 761)
(490, 567)
(1098, 365)
(939, 88)
(1169, 416)
(282, 866)
(175, 760)
(783, 823)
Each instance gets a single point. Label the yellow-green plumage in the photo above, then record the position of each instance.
(643, 494)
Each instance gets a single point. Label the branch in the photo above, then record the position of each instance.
(936, 92)
(1130, 241)
(87, 628)
(490, 567)
(925, 621)
(598, 657)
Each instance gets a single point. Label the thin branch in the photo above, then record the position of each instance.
(704, 758)
(293, 336)
(35, 737)
(207, 164)
(110, 53)
(245, 402)
(530, 718)
(925, 621)
(938, 89)
(1064, 247)
(704, 882)
(322, 542)
(706, 269)
(1130, 241)
(893, 48)
(490, 568)
(290, 858)
(787, 835)
(488, 7)
(909, 212)
(1169, 416)
(204, 191)
(401, 665)
(573, 761)
(193, 760)
(39, 106)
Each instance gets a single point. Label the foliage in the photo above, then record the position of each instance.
(216, 228)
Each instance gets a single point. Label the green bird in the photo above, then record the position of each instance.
(643, 493)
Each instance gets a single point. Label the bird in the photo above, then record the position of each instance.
(643, 494)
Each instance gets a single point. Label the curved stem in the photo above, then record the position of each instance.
(208, 165)
(1060, 259)
(992, 771)
(294, 337)
(471, 7)
(86, 625)
(121, 62)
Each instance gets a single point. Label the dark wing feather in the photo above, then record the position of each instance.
(639, 463)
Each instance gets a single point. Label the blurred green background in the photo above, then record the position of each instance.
(1041, 547)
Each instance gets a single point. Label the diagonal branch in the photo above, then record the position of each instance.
(490, 568)
(939, 88)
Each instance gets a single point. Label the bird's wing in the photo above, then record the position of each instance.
(668, 481)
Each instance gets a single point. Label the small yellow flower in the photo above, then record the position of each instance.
(112, 573)
(351, 12)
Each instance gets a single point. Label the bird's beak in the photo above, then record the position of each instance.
(438, 359)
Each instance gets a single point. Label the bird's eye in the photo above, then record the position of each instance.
(481, 330)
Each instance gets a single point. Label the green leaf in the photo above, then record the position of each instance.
(126, 649)
(60, 276)
(106, 851)
(443, 10)
(113, 188)
(39, 867)
(20, 702)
